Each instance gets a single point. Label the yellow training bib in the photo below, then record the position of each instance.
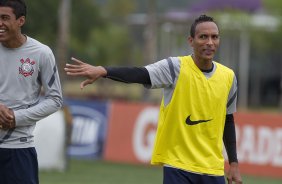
(190, 128)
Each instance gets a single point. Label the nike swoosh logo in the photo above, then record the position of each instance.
(190, 122)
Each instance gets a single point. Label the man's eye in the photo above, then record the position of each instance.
(203, 36)
(5, 18)
(215, 37)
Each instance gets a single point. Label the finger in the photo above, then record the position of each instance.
(8, 115)
(72, 66)
(5, 112)
(74, 71)
(6, 125)
(229, 181)
(67, 69)
(79, 74)
(70, 70)
(5, 116)
(2, 117)
(77, 60)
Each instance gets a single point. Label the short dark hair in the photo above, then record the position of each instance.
(18, 6)
(200, 19)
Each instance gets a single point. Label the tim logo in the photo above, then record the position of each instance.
(26, 68)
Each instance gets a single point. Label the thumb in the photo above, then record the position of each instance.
(85, 83)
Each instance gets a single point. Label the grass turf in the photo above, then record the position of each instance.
(101, 172)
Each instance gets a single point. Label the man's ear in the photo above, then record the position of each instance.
(21, 21)
(190, 40)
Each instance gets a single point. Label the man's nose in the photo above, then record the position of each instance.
(210, 41)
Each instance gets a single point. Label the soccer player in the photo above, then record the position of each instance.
(26, 66)
(196, 113)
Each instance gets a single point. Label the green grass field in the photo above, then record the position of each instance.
(101, 172)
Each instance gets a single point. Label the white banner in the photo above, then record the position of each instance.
(50, 142)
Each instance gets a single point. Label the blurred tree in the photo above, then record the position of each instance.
(118, 10)
(274, 6)
(42, 22)
(271, 36)
(99, 33)
(85, 17)
(108, 46)
(165, 5)
(268, 45)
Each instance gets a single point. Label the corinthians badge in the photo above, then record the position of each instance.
(26, 68)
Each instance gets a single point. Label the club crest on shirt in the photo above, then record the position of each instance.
(26, 68)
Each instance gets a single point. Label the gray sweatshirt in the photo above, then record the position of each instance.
(23, 73)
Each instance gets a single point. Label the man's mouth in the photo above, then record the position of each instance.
(2, 31)
(209, 51)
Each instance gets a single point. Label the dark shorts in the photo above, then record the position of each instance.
(177, 176)
(18, 166)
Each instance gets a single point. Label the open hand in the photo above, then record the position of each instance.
(81, 69)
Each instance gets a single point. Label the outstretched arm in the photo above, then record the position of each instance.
(81, 69)
(138, 75)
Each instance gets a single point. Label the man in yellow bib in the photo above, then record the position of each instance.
(196, 113)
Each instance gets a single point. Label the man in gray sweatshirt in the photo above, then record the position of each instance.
(26, 66)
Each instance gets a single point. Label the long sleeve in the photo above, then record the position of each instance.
(49, 78)
(129, 74)
(229, 138)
